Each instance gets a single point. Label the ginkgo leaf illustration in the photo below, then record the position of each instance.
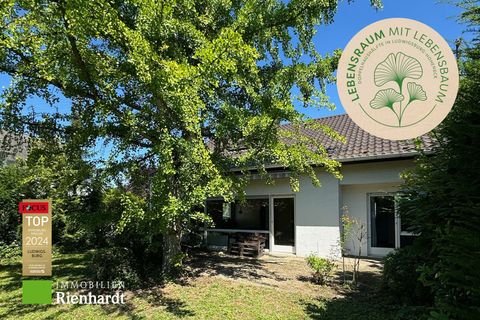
(397, 67)
(416, 92)
(385, 98)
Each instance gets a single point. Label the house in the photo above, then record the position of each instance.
(11, 147)
(310, 221)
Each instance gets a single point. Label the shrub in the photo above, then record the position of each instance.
(73, 242)
(115, 264)
(322, 268)
(11, 193)
(401, 277)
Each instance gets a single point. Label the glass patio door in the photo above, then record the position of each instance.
(383, 230)
(283, 224)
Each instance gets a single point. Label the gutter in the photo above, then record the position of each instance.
(376, 158)
(382, 157)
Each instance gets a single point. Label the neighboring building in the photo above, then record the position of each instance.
(309, 221)
(11, 148)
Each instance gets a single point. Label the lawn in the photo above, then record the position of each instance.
(215, 287)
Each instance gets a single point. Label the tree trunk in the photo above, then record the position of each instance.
(354, 273)
(172, 252)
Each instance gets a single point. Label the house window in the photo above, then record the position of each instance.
(227, 211)
(252, 214)
(387, 231)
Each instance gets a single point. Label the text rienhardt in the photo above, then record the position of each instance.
(89, 298)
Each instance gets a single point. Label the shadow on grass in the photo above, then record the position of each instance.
(365, 302)
(156, 298)
(71, 266)
(176, 307)
(127, 309)
(74, 267)
(10, 278)
(11, 288)
(360, 307)
(233, 267)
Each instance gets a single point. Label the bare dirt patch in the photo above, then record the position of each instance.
(283, 272)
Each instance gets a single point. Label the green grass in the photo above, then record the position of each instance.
(202, 298)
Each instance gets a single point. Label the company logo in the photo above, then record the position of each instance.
(33, 207)
(397, 79)
(81, 292)
(36, 237)
(81, 295)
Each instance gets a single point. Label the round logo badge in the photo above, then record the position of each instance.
(397, 79)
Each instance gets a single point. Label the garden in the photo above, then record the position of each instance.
(218, 287)
(135, 113)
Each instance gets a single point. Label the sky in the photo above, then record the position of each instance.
(351, 18)
(354, 16)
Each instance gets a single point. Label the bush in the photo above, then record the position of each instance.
(322, 268)
(73, 242)
(10, 252)
(11, 193)
(401, 277)
(115, 264)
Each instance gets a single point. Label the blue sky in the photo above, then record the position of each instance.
(351, 18)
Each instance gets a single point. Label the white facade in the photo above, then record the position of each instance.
(12, 148)
(360, 182)
(318, 210)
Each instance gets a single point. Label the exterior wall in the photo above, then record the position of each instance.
(316, 212)
(374, 172)
(355, 200)
(11, 148)
(359, 181)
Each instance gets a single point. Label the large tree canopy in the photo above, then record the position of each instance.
(187, 88)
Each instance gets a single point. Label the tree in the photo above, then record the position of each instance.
(46, 173)
(441, 198)
(187, 88)
(354, 230)
(10, 194)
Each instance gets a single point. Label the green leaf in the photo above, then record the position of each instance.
(385, 99)
(397, 67)
(416, 92)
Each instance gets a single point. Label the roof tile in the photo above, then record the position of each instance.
(360, 144)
